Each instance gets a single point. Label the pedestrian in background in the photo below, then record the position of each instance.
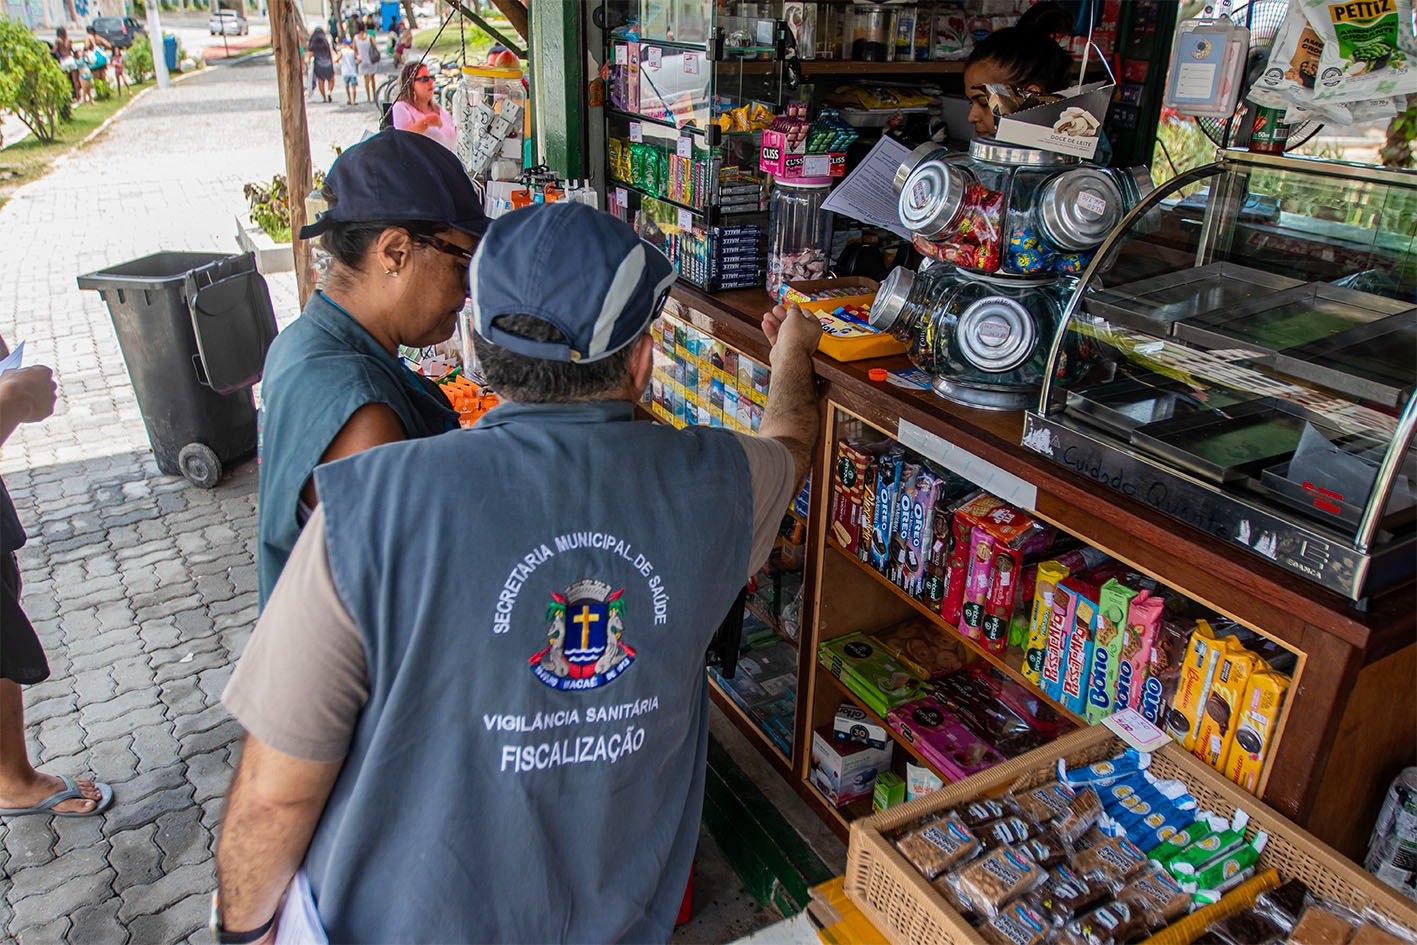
(322, 63)
(85, 73)
(387, 649)
(27, 396)
(120, 78)
(349, 71)
(68, 61)
(364, 48)
(404, 218)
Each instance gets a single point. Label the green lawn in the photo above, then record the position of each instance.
(449, 45)
(28, 158)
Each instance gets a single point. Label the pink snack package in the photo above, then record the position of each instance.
(946, 743)
(976, 583)
(1143, 622)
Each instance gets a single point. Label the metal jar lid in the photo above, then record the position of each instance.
(996, 334)
(1078, 208)
(932, 197)
(996, 152)
(890, 298)
(929, 151)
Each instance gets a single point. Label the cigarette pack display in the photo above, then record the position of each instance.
(1255, 725)
(845, 771)
(945, 741)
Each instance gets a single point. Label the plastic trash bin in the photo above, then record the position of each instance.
(169, 52)
(194, 329)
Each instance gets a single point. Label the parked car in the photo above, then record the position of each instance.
(118, 31)
(228, 23)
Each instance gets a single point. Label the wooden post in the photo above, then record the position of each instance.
(294, 132)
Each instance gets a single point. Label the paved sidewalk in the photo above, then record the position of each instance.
(143, 588)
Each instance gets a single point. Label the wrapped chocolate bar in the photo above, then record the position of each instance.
(1208, 848)
(1046, 802)
(980, 812)
(1018, 924)
(1006, 831)
(1164, 893)
(938, 845)
(1083, 811)
(1206, 824)
(1284, 904)
(995, 879)
(1124, 920)
(1112, 861)
(1065, 894)
(1047, 849)
(1250, 927)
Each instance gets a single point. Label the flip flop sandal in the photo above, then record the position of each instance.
(71, 792)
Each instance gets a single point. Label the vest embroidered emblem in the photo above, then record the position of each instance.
(585, 648)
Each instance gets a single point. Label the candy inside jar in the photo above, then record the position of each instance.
(799, 232)
(954, 217)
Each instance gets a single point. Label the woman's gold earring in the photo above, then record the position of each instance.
(391, 272)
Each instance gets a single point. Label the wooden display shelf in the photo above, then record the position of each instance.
(1007, 664)
(767, 618)
(851, 67)
(1332, 750)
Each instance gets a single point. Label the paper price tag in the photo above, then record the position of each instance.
(976, 469)
(816, 165)
(653, 57)
(686, 219)
(622, 54)
(1132, 727)
(691, 63)
(622, 196)
(685, 147)
(637, 132)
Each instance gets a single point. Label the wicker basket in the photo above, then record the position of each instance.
(908, 911)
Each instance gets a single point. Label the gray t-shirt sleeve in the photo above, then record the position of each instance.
(773, 476)
(302, 680)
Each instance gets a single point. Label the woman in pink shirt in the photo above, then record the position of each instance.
(415, 110)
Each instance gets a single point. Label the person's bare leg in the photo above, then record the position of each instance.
(20, 784)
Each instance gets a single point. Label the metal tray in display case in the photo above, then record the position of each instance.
(1156, 304)
(1325, 505)
(1226, 446)
(1373, 361)
(1122, 405)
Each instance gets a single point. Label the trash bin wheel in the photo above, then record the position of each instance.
(200, 465)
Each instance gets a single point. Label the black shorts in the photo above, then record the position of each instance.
(21, 657)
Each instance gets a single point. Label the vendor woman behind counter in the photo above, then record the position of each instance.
(403, 222)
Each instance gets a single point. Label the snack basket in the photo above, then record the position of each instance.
(908, 911)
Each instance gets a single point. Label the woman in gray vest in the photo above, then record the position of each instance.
(403, 222)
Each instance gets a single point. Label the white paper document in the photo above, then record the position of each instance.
(868, 193)
(14, 360)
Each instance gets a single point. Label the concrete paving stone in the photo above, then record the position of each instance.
(73, 833)
(244, 578)
(90, 687)
(171, 571)
(115, 616)
(219, 562)
(30, 841)
(235, 605)
(125, 724)
(101, 564)
(69, 575)
(145, 591)
(38, 607)
(81, 544)
(145, 810)
(57, 707)
(123, 644)
(156, 529)
(97, 924)
(79, 622)
(182, 838)
(115, 758)
(169, 889)
(100, 592)
(130, 516)
(181, 701)
(113, 708)
(135, 857)
(77, 551)
(155, 746)
(99, 640)
(131, 672)
(213, 810)
(6, 913)
(205, 720)
(159, 780)
(61, 736)
(146, 554)
(137, 489)
(209, 774)
(57, 686)
(171, 502)
(194, 624)
(205, 655)
(170, 606)
(37, 880)
(214, 588)
(124, 536)
(213, 681)
(203, 742)
(178, 921)
(219, 536)
(50, 933)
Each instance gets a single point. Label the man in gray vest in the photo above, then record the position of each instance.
(476, 704)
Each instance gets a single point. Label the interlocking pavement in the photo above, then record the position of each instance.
(142, 587)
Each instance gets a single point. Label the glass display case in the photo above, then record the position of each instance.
(690, 86)
(1245, 357)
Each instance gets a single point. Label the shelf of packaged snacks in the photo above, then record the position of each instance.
(717, 213)
(895, 735)
(849, 67)
(1008, 664)
(749, 727)
(1332, 763)
(652, 120)
(838, 817)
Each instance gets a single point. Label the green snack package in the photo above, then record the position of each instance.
(1222, 872)
(1206, 824)
(1112, 605)
(1218, 844)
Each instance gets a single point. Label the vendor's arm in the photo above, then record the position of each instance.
(370, 426)
(26, 396)
(790, 416)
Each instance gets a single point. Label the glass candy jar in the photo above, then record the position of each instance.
(799, 231)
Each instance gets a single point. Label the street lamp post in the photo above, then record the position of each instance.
(159, 48)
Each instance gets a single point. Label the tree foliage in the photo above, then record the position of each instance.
(31, 83)
(138, 59)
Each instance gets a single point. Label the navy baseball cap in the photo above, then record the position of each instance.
(575, 267)
(400, 175)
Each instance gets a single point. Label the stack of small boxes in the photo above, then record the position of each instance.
(698, 380)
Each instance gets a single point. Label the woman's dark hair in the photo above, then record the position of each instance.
(347, 243)
(1028, 55)
(539, 381)
(406, 73)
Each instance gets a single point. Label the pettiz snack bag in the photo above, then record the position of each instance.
(1113, 604)
(1255, 724)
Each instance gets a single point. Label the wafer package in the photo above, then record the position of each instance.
(1113, 604)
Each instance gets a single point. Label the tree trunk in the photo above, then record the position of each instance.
(410, 15)
(294, 133)
(337, 18)
(515, 12)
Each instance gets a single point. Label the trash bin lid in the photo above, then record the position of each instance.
(234, 323)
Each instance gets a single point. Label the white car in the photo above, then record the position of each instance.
(228, 23)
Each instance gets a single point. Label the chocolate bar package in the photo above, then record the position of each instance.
(945, 741)
(848, 485)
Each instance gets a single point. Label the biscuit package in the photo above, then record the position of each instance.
(889, 470)
(1134, 660)
(1065, 895)
(848, 488)
(1197, 674)
(1255, 724)
(916, 532)
(938, 845)
(1073, 688)
(1163, 672)
(976, 582)
(1113, 605)
(1046, 802)
(1216, 731)
(995, 879)
(1019, 924)
(1112, 861)
(1060, 628)
(1036, 646)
